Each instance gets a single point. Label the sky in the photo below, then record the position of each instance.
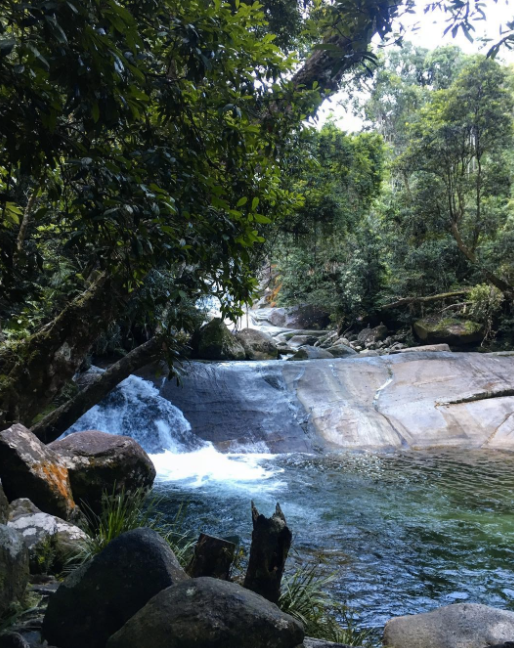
(430, 34)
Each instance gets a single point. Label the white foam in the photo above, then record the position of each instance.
(208, 465)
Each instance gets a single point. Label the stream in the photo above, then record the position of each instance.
(401, 531)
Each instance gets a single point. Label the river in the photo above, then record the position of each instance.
(403, 531)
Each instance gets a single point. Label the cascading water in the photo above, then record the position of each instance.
(136, 409)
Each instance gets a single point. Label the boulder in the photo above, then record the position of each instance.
(13, 640)
(30, 469)
(450, 330)
(212, 614)
(311, 353)
(463, 625)
(14, 568)
(257, 345)
(100, 463)
(372, 335)
(302, 340)
(215, 342)
(51, 541)
(341, 351)
(4, 507)
(94, 601)
(304, 316)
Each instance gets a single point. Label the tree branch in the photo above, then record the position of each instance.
(54, 424)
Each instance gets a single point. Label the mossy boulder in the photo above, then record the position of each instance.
(449, 330)
(257, 345)
(215, 342)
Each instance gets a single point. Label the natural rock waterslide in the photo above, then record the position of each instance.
(415, 400)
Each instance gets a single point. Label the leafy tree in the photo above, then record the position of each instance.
(325, 252)
(455, 148)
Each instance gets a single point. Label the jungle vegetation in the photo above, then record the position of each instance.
(156, 151)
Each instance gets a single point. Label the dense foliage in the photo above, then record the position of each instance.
(436, 215)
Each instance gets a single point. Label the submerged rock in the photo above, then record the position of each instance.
(450, 330)
(98, 598)
(30, 469)
(101, 463)
(311, 353)
(48, 538)
(215, 342)
(257, 345)
(209, 613)
(14, 568)
(463, 625)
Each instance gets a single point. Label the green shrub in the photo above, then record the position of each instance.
(125, 511)
(486, 302)
(305, 598)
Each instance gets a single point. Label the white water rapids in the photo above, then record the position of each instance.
(136, 409)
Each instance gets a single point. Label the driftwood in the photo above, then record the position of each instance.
(212, 557)
(271, 541)
(407, 301)
(54, 424)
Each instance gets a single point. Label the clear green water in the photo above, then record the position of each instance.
(403, 533)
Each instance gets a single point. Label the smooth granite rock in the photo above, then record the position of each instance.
(209, 613)
(463, 625)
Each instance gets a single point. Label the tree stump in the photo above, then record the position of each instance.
(271, 541)
(212, 557)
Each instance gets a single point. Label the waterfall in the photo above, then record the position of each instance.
(136, 409)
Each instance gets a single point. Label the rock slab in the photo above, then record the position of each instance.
(97, 599)
(463, 625)
(99, 463)
(14, 567)
(45, 536)
(32, 470)
(212, 614)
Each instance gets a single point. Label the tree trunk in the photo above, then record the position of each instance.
(213, 557)
(271, 541)
(407, 301)
(35, 370)
(54, 424)
(344, 49)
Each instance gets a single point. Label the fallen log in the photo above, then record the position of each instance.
(271, 541)
(407, 301)
(212, 557)
(54, 424)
